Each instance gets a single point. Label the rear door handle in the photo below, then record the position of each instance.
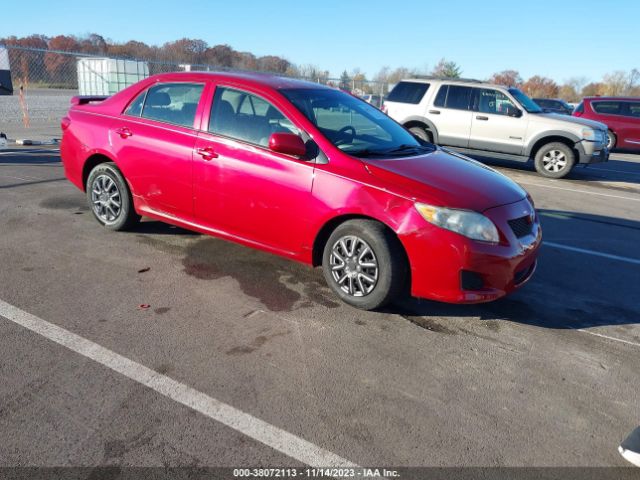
(207, 153)
(435, 112)
(124, 132)
(481, 117)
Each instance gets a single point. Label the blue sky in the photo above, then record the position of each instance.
(559, 39)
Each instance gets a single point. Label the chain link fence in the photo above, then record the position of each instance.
(42, 82)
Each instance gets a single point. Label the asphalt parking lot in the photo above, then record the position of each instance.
(253, 362)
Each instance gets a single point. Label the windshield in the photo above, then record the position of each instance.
(354, 126)
(528, 104)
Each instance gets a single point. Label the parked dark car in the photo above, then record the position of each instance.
(620, 114)
(554, 105)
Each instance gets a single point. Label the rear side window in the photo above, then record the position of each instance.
(174, 103)
(457, 97)
(408, 92)
(580, 108)
(135, 108)
(607, 108)
(634, 109)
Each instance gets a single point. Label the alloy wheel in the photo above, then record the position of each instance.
(105, 198)
(554, 161)
(354, 266)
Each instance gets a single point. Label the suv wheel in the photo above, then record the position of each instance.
(554, 160)
(611, 140)
(363, 262)
(421, 133)
(109, 198)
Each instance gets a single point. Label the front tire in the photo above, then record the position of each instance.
(554, 160)
(364, 264)
(109, 198)
(421, 133)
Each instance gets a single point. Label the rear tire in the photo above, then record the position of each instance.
(364, 264)
(109, 198)
(611, 140)
(554, 160)
(421, 133)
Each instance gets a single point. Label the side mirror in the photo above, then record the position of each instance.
(514, 112)
(287, 143)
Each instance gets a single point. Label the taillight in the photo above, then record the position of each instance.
(64, 123)
(384, 108)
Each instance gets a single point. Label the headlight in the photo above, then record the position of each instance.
(465, 222)
(591, 135)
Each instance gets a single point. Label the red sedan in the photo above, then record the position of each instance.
(620, 114)
(307, 172)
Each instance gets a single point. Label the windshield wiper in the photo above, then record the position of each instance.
(406, 147)
(366, 152)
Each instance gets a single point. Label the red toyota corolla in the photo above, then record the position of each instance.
(307, 172)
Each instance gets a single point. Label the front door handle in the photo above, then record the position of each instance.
(207, 153)
(481, 117)
(435, 112)
(124, 132)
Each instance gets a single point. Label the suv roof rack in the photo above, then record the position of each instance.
(448, 79)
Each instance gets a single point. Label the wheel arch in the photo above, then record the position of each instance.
(551, 137)
(90, 163)
(330, 225)
(424, 123)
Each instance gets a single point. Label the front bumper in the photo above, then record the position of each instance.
(443, 262)
(594, 153)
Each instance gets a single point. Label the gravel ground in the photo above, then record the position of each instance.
(46, 107)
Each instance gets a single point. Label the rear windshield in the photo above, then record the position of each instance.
(408, 92)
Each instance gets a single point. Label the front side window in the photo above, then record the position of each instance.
(246, 117)
(494, 102)
(174, 103)
(608, 108)
(408, 92)
(352, 125)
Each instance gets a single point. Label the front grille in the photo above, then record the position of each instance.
(522, 226)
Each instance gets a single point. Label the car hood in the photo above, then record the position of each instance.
(446, 178)
(564, 119)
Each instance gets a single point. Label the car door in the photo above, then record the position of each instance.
(497, 125)
(451, 114)
(243, 188)
(153, 141)
(630, 131)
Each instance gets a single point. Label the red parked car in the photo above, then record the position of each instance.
(620, 114)
(307, 172)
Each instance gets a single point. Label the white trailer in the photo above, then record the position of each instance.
(106, 76)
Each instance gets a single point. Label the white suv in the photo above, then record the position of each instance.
(493, 121)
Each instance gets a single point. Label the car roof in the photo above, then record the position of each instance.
(632, 99)
(247, 78)
(462, 81)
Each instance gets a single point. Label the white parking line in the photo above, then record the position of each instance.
(270, 435)
(635, 261)
(20, 152)
(612, 170)
(577, 190)
(635, 344)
